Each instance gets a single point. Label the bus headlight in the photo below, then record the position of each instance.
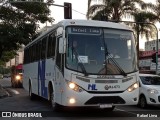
(133, 87)
(74, 87)
(18, 77)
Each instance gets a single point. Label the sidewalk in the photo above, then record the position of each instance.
(3, 93)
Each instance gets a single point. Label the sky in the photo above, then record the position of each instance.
(81, 6)
(78, 5)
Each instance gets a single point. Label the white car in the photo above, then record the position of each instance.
(149, 90)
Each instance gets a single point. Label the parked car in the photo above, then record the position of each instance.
(6, 75)
(149, 90)
(1, 76)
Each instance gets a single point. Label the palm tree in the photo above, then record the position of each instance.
(89, 4)
(156, 8)
(143, 27)
(115, 9)
(143, 22)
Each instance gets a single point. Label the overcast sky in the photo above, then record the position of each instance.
(78, 5)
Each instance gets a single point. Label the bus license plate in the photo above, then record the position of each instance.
(105, 105)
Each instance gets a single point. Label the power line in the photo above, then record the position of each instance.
(78, 12)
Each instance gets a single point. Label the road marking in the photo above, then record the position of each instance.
(126, 111)
(15, 91)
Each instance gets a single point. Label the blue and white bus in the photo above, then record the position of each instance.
(87, 75)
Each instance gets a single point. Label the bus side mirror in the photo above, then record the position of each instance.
(62, 45)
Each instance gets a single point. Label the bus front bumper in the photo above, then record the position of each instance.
(84, 98)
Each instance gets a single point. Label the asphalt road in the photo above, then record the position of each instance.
(19, 104)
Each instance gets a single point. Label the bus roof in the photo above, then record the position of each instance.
(89, 23)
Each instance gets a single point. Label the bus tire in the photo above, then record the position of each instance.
(31, 95)
(56, 107)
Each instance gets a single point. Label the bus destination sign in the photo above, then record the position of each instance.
(85, 30)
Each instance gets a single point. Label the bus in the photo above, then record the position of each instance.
(85, 74)
(17, 75)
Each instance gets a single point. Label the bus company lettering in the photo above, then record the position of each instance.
(107, 87)
(92, 87)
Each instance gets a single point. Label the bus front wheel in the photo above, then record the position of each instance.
(55, 106)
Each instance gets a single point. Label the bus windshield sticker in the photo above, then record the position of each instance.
(94, 31)
(83, 59)
(102, 48)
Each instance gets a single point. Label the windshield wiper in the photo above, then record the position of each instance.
(80, 62)
(107, 54)
(116, 64)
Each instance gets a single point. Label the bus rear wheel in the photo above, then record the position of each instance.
(31, 95)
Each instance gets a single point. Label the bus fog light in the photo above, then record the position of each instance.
(72, 100)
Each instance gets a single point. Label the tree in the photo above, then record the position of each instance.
(19, 22)
(141, 19)
(7, 55)
(115, 9)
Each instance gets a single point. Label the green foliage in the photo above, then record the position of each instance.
(114, 9)
(147, 30)
(18, 22)
(6, 56)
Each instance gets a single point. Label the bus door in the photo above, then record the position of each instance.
(59, 71)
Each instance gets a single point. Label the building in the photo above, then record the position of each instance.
(145, 62)
(151, 45)
(18, 59)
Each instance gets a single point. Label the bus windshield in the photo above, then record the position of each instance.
(93, 50)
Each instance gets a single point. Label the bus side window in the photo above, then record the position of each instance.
(39, 49)
(51, 45)
(58, 56)
(36, 52)
(43, 52)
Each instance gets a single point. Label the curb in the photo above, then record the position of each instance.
(3, 92)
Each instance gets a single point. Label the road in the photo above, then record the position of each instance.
(19, 102)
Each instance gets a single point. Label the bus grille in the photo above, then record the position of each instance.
(105, 100)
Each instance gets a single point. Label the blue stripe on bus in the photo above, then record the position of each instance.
(41, 79)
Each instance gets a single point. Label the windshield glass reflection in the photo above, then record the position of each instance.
(91, 45)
